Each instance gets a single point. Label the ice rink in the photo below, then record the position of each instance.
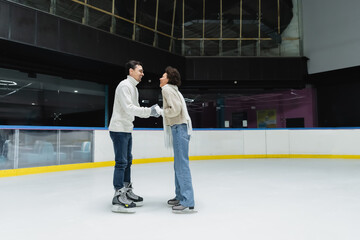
(280, 199)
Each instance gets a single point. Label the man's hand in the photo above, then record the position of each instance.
(153, 112)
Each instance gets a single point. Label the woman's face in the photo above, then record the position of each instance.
(164, 80)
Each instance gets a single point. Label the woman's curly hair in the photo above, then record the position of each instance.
(173, 75)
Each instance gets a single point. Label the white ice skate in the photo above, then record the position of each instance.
(121, 204)
(132, 196)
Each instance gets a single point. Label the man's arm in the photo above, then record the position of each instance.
(129, 107)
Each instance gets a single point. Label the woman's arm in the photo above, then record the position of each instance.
(172, 108)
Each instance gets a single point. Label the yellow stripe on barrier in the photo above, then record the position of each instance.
(152, 160)
(68, 167)
(218, 157)
(57, 168)
(324, 156)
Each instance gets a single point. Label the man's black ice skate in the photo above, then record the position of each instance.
(182, 209)
(132, 196)
(121, 204)
(173, 202)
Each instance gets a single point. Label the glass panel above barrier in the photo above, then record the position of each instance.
(7, 149)
(43, 5)
(191, 48)
(99, 20)
(211, 48)
(270, 109)
(77, 146)
(70, 10)
(251, 108)
(37, 148)
(248, 48)
(105, 5)
(124, 28)
(230, 48)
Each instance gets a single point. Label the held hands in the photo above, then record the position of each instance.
(153, 112)
(159, 110)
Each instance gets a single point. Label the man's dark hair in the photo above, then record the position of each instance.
(173, 75)
(131, 64)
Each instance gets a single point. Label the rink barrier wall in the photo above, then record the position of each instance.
(208, 144)
(340, 143)
(59, 168)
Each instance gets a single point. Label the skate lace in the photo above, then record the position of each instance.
(131, 194)
(121, 195)
(122, 198)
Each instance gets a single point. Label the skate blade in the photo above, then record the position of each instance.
(185, 211)
(121, 209)
(139, 204)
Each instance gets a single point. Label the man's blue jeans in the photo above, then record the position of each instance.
(122, 142)
(183, 183)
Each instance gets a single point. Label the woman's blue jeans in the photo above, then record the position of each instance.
(183, 183)
(122, 142)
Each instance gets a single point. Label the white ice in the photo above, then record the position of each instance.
(250, 199)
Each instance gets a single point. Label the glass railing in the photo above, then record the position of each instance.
(23, 148)
(287, 108)
(192, 28)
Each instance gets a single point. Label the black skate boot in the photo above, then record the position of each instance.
(173, 202)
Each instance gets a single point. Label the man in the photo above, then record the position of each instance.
(126, 107)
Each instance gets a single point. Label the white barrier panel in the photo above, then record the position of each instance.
(325, 141)
(254, 142)
(103, 146)
(214, 142)
(277, 142)
(150, 143)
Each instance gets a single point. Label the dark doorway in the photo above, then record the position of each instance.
(295, 123)
(238, 119)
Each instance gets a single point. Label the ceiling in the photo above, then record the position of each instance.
(146, 11)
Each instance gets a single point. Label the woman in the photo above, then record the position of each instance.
(177, 128)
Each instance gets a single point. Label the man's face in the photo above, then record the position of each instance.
(137, 73)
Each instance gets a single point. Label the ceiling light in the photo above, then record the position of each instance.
(7, 83)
